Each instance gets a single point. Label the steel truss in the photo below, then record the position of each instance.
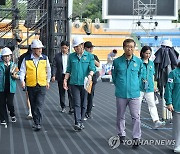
(48, 18)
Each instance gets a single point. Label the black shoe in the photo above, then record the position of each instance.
(36, 127)
(13, 119)
(82, 126)
(122, 139)
(63, 110)
(71, 111)
(77, 127)
(135, 143)
(3, 122)
(88, 116)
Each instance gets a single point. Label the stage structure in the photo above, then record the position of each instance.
(123, 14)
(146, 11)
(47, 18)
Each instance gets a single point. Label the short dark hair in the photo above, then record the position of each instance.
(88, 44)
(114, 51)
(144, 49)
(128, 41)
(66, 43)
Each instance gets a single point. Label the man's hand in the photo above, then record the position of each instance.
(23, 85)
(47, 86)
(156, 90)
(65, 84)
(170, 107)
(53, 79)
(15, 75)
(89, 78)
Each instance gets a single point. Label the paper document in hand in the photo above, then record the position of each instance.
(87, 85)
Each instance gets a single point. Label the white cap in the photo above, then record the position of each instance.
(167, 43)
(36, 44)
(6, 51)
(76, 41)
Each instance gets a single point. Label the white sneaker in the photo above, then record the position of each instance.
(3, 122)
(159, 124)
(177, 149)
(29, 117)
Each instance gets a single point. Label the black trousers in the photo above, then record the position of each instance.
(80, 102)
(37, 97)
(90, 100)
(6, 100)
(62, 92)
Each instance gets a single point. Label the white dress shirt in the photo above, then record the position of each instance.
(35, 60)
(64, 62)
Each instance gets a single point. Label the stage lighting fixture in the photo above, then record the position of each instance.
(156, 23)
(139, 23)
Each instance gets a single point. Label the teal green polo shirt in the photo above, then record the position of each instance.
(172, 91)
(147, 74)
(126, 76)
(79, 68)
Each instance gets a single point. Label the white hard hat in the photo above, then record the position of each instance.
(36, 44)
(76, 41)
(167, 43)
(6, 51)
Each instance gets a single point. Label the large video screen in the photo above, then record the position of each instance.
(118, 9)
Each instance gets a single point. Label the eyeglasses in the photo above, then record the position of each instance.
(129, 47)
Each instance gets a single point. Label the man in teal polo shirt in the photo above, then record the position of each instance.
(126, 71)
(80, 65)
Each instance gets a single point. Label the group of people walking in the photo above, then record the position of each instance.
(132, 77)
(35, 74)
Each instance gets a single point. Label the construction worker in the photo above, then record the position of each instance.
(36, 68)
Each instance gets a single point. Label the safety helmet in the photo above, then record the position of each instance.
(76, 41)
(114, 142)
(167, 43)
(6, 51)
(36, 44)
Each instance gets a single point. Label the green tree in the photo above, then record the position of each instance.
(21, 6)
(88, 9)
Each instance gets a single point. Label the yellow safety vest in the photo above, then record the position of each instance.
(36, 75)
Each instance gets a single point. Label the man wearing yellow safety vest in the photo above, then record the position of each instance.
(36, 68)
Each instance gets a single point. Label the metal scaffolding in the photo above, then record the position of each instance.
(48, 18)
(148, 9)
(145, 12)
